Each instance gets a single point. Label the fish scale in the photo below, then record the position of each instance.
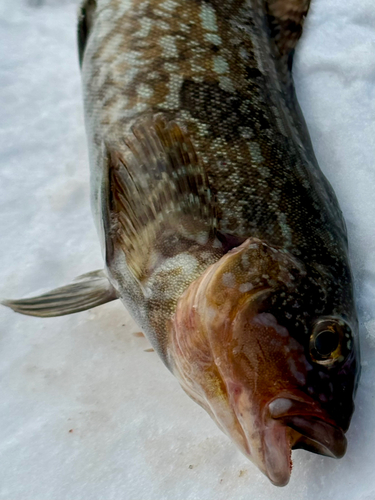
(243, 132)
(217, 130)
(220, 233)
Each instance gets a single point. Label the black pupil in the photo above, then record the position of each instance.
(326, 342)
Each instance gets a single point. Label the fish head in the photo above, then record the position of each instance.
(269, 385)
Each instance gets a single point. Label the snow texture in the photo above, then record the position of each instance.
(85, 412)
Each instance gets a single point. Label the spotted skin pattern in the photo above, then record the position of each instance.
(220, 70)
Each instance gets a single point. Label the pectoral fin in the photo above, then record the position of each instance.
(156, 196)
(85, 22)
(87, 291)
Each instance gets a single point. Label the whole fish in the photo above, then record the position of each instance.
(220, 233)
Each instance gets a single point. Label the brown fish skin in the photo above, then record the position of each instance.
(233, 358)
(204, 89)
(229, 96)
(220, 233)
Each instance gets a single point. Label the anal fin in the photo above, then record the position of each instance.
(87, 291)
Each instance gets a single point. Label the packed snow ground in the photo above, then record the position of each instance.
(85, 412)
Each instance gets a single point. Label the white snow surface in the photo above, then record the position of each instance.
(85, 412)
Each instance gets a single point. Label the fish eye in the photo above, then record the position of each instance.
(330, 342)
(326, 342)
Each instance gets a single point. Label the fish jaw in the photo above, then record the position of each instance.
(232, 359)
(266, 441)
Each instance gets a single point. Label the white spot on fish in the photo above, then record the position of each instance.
(169, 5)
(246, 132)
(184, 27)
(285, 228)
(188, 263)
(296, 373)
(168, 43)
(203, 129)
(269, 320)
(162, 13)
(146, 25)
(255, 152)
(220, 65)
(202, 238)
(171, 67)
(225, 83)
(164, 25)
(213, 38)
(245, 261)
(205, 255)
(208, 17)
(245, 287)
(134, 58)
(173, 98)
(196, 68)
(144, 91)
(229, 280)
(153, 75)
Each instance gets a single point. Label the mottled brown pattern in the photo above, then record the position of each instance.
(211, 67)
(156, 190)
(220, 71)
(286, 22)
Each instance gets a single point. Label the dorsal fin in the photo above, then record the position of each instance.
(85, 21)
(285, 18)
(157, 195)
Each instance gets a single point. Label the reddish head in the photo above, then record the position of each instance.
(250, 371)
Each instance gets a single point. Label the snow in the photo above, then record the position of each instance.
(85, 412)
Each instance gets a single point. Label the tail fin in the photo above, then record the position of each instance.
(87, 291)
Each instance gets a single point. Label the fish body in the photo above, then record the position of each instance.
(219, 231)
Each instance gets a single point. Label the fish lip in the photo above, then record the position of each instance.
(277, 451)
(313, 428)
(318, 436)
(293, 423)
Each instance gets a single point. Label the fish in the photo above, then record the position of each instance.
(219, 232)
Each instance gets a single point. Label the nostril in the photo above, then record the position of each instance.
(284, 407)
(279, 407)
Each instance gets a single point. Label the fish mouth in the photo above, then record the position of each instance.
(292, 424)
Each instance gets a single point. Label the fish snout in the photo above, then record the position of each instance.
(310, 427)
(291, 424)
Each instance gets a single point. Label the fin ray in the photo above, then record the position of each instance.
(87, 291)
(155, 186)
(85, 21)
